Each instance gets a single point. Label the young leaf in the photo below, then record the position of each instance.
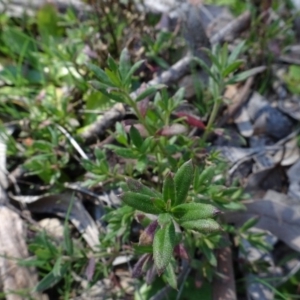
(204, 225)
(57, 267)
(178, 96)
(114, 77)
(244, 75)
(194, 211)
(136, 137)
(117, 98)
(124, 63)
(249, 223)
(97, 85)
(138, 187)
(50, 279)
(112, 64)
(183, 179)
(140, 202)
(123, 152)
(169, 189)
(170, 276)
(100, 74)
(133, 69)
(231, 68)
(149, 91)
(147, 144)
(209, 254)
(206, 68)
(160, 204)
(206, 176)
(236, 52)
(163, 244)
(164, 219)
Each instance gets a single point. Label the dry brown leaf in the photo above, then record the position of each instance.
(278, 214)
(15, 278)
(58, 205)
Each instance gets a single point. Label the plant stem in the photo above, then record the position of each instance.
(212, 118)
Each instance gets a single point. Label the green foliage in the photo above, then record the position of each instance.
(179, 196)
(172, 208)
(292, 79)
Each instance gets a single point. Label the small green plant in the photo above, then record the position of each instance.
(174, 209)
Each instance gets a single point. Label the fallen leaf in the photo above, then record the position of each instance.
(277, 214)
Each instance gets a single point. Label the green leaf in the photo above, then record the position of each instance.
(114, 77)
(183, 179)
(236, 52)
(206, 68)
(163, 244)
(249, 223)
(20, 44)
(68, 242)
(100, 74)
(133, 69)
(136, 137)
(244, 75)
(160, 204)
(123, 152)
(124, 64)
(235, 206)
(164, 219)
(170, 276)
(140, 202)
(149, 91)
(57, 267)
(97, 85)
(231, 68)
(138, 187)
(111, 95)
(50, 279)
(179, 96)
(206, 176)
(209, 254)
(112, 64)
(169, 189)
(204, 225)
(194, 211)
(147, 144)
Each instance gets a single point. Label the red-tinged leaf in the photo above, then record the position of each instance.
(180, 251)
(191, 120)
(138, 268)
(146, 238)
